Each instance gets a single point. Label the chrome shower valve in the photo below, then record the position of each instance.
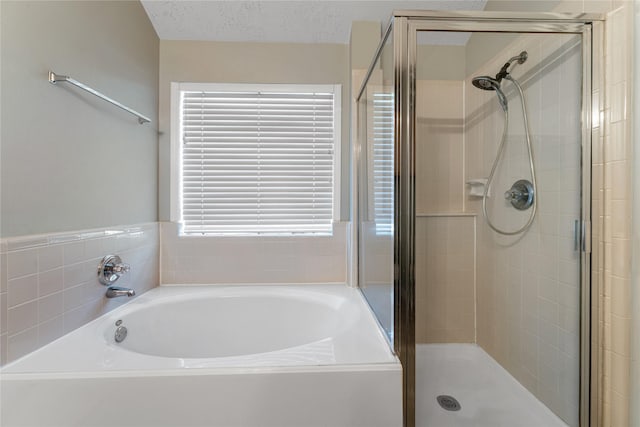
(111, 268)
(520, 195)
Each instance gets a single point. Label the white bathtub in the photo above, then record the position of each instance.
(214, 356)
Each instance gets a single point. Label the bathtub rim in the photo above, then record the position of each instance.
(392, 364)
(300, 369)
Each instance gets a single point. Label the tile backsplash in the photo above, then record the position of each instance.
(49, 284)
(233, 259)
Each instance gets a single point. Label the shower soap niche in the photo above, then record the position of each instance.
(476, 187)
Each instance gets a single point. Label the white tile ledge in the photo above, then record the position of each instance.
(41, 240)
(177, 226)
(265, 284)
(447, 214)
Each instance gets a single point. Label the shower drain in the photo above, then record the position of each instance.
(448, 403)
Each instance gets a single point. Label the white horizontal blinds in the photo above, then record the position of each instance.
(257, 162)
(383, 108)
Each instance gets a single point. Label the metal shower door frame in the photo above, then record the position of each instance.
(405, 26)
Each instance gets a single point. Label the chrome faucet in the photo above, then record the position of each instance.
(117, 291)
(111, 268)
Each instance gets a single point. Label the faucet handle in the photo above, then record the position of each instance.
(121, 267)
(110, 269)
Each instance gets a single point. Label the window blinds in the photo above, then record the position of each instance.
(383, 128)
(257, 162)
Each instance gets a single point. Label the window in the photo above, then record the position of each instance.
(382, 157)
(255, 159)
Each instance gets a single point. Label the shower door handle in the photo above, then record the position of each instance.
(582, 236)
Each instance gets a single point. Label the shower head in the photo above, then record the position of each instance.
(489, 83)
(485, 83)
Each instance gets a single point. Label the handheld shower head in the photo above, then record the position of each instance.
(485, 83)
(489, 83)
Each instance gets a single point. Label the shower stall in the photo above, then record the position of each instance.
(474, 208)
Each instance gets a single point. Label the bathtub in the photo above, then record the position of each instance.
(260, 355)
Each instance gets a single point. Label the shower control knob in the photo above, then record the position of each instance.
(512, 195)
(121, 268)
(515, 195)
(110, 269)
(520, 194)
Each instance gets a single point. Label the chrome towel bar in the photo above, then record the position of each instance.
(55, 78)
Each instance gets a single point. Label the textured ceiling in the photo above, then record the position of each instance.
(311, 21)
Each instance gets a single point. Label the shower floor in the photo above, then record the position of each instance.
(488, 394)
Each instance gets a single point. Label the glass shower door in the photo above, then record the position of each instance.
(376, 185)
(496, 280)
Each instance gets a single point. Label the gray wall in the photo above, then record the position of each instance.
(364, 40)
(436, 62)
(228, 62)
(70, 161)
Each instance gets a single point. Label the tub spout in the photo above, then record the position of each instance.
(116, 291)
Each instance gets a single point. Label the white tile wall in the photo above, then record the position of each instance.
(439, 146)
(445, 279)
(527, 286)
(616, 237)
(627, 298)
(49, 285)
(445, 239)
(297, 259)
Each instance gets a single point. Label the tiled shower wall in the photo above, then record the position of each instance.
(49, 284)
(445, 279)
(611, 256)
(528, 296)
(439, 146)
(445, 235)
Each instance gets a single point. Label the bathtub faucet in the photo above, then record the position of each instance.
(117, 291)
(110, 269)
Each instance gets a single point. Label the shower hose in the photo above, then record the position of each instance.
(497, 160)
